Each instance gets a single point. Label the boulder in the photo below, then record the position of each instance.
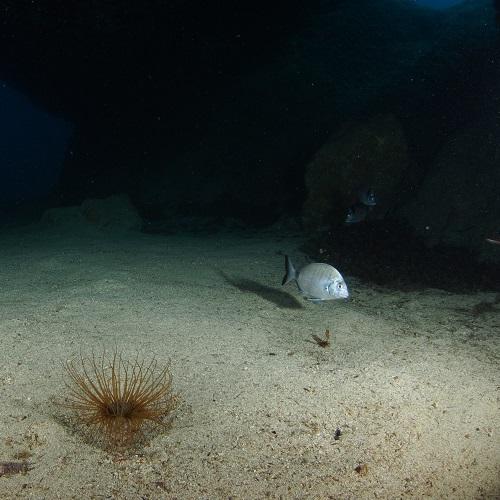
(372, 153)
(458, 202)
(62, 217)
(113, 213)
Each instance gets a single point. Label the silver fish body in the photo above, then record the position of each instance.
(317, 282)
(367, 197)
(356, 213)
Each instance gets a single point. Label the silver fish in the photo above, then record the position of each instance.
(367, 197)
(316, 282)
(356, 213)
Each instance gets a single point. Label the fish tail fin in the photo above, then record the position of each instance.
(290, 272)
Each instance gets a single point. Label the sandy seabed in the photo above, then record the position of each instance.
(412, 380)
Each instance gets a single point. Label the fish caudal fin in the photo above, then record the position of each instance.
(290, 272)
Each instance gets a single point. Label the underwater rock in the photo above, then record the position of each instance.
(115, 212)
(458, 203)
(372, 153)
(62, 217)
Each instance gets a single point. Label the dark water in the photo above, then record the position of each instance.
(249, 115)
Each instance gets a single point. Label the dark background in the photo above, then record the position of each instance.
(215, 109)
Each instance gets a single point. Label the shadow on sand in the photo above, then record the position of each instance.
(278, 297)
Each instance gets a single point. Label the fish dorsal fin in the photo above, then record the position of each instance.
(290, 272)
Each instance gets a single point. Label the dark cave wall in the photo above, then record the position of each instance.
(268, 124)
(140, 81)
(218, 110)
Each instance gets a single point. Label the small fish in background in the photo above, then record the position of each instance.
(356, 213)
(367, 197)
(316, 282)
(494, 240)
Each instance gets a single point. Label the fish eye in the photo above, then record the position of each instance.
(339, 286)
